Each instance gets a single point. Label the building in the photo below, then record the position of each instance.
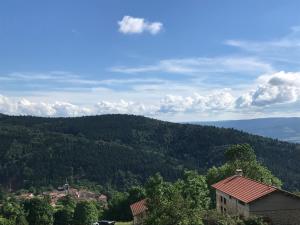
(139, 211)
(243, 197)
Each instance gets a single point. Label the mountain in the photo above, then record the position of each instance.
(121, 150)
(285, 129)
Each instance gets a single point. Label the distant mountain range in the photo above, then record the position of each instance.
(286, 129)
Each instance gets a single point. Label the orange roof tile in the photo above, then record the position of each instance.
(243, 189)
(138, 207)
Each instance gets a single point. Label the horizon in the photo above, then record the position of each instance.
(173, 61)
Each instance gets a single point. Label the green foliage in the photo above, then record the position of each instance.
(63, 217)
(241, 157)
(39, 212)
(119, 204)
(21, 220)
(212, 217)
(4, 221)
(120, 151)
(67, 202)
(255, 221)
(240, 152)
(85, 213)
(13, 212)
(176, 203)
(250, 166)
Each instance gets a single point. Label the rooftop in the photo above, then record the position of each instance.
(243, 189)
(138, 207)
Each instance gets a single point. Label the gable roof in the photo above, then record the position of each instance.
(243, 189)
(138, 207)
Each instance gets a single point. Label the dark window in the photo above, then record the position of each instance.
(230, 197)
(224, 201)
(224, 210)
(221, 209)
(221, 199)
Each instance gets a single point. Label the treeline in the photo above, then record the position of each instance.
(120, 151)
(186, 201)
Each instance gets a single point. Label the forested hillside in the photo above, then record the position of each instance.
(121, 150)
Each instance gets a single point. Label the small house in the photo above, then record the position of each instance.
(244, 197)
(139, 211)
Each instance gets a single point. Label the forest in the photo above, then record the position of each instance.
(120, 151)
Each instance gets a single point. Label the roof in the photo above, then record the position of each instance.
(138, 207)
(243, 189)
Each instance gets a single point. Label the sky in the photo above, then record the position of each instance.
(194, 60)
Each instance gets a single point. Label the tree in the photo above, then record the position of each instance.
(85, 213)
(241, 157)
(63, 216)
(13, 212)
(39, 212)
(4, 221)
(179, 203)
(67, 201)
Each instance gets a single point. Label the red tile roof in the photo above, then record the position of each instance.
(243, 189)
(138, 207)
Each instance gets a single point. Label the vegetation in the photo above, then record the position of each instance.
(185, 201)
(121, 151)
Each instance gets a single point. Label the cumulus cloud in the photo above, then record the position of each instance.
(124, 107)
(133, 25)
(277, 88)
(268, 90)
(217, 101)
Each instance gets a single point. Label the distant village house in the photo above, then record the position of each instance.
(243, 197)
(139, 212)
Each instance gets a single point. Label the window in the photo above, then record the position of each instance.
(221, 208)
(224, 210)
(221, 199)
(224, 201)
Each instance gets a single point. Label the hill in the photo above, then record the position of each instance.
(121, 150)
(285, 129)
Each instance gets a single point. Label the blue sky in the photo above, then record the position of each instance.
(172, 60)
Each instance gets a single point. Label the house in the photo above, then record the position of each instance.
(244, 197)
(139, 211)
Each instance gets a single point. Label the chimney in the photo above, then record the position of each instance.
(239, 172)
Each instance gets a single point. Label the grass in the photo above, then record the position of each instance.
(124, 223)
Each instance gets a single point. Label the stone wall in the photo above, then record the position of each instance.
(281, 217)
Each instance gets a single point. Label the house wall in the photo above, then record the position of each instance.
(281, 208)
(232, 205)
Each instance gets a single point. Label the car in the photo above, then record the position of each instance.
(106, 222)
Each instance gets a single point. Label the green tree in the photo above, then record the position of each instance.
(63, 216)
(179, 203)
(39, 212)
(85, 213)
(241, 157)
(67, 201)
(4, 221)
(21, 220)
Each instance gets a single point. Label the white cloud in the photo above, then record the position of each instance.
(227, 64)
(133, 25)
(269, 90)
(277, 88)
(217, 101)
(283, 51)
(124, 107)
